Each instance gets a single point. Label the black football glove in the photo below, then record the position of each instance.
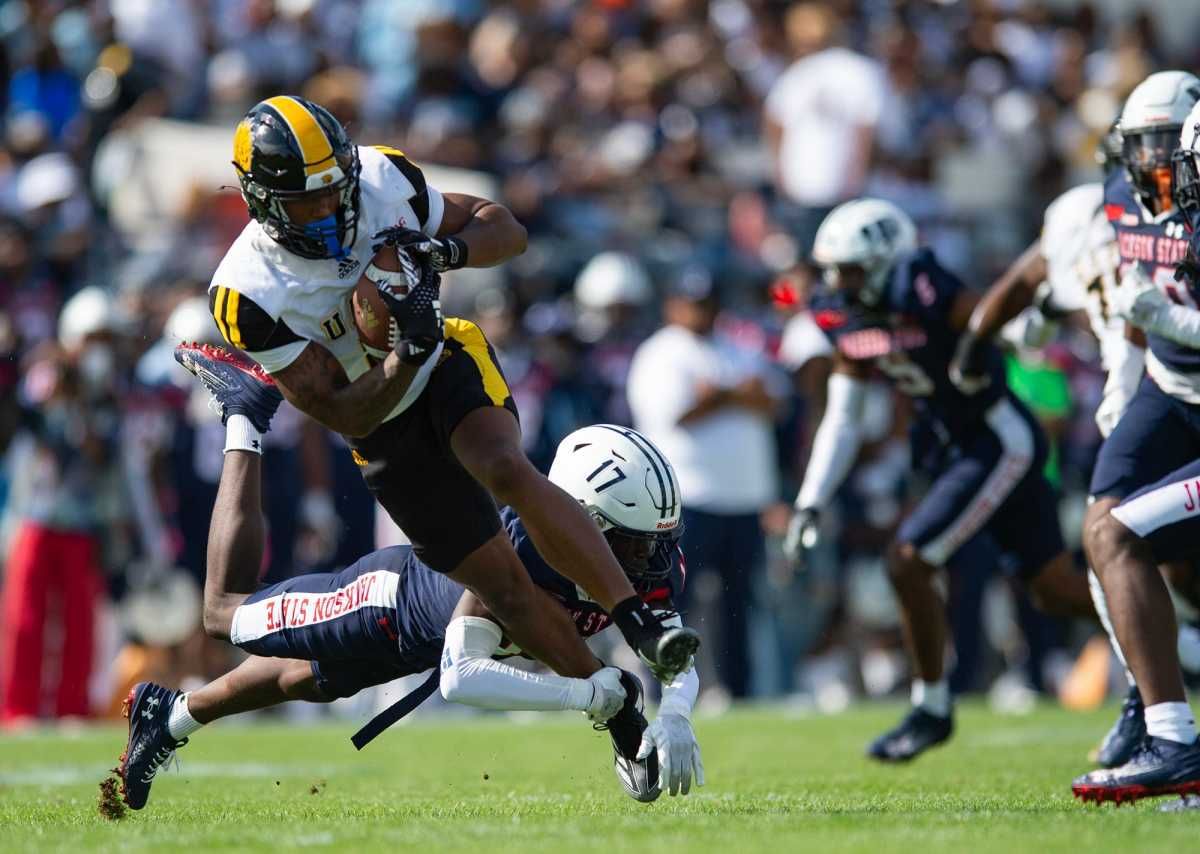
(414, 300)
(968, 368)
(442, 253)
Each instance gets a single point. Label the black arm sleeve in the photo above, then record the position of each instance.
(420, 197)
(244, 324)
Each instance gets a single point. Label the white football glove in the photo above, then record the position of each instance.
(678, 752)
(1137, 299)
(608, 694)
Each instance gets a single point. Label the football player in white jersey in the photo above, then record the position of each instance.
(432, 425)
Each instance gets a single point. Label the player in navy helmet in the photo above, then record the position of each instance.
(323, 636)
(888, 304)
(432, 425)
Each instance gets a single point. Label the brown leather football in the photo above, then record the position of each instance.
(376, 328)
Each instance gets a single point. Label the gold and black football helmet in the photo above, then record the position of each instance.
(284, 148)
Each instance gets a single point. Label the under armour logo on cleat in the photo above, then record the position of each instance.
(255, 444)
(147, 714)
(152, 701)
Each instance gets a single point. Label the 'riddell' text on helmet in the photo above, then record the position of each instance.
(284, 148)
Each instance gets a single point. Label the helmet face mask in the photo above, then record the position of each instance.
(1186, 189)
(1147, 156)
(1186, 170)
(286, 148)
(645, 557)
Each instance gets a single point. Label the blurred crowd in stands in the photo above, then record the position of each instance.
(655, 149)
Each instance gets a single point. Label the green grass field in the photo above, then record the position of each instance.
(775, 783)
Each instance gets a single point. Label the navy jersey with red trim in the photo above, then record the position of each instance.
(908, 336)
(589, 617)
(1158, 245)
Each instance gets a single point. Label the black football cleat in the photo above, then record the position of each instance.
(150, 745)
(1126, 734)
(638, 776)
(237, 386)
(1158, 766)
(918, 732)
(670, 653)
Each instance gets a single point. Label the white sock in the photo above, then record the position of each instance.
(933, 697)
(1101, 604)
(241, 435)
(1172, 721)
(181, 724)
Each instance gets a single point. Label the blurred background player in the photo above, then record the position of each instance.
(889, 304)
(699, 393)
(320, 637)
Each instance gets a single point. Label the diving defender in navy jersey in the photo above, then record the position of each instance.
(889, 305)
(328, 635)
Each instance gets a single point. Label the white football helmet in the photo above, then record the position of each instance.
(91, 311)
(630, 489)
(612, 278)
(1150, 125)
(870, 233)
(191, 321)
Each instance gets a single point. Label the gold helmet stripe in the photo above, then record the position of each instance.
(242, 147)
(315, 147)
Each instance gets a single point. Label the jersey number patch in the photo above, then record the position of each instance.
(334, 327)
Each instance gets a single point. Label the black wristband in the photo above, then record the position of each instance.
(636, 622)
(414, 353)
(457, 256)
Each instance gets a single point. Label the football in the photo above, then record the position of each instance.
(376, 328)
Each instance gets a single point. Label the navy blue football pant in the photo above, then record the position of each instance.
(732, 546)
(990, 481)
(345, 623)
(1151, 461)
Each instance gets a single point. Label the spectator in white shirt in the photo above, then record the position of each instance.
(709, 404)
(820, 118)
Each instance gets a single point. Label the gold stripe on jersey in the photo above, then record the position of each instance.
(469, 335)
(388, 150)
(232, 298)
(218, 312)
(315, 148)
